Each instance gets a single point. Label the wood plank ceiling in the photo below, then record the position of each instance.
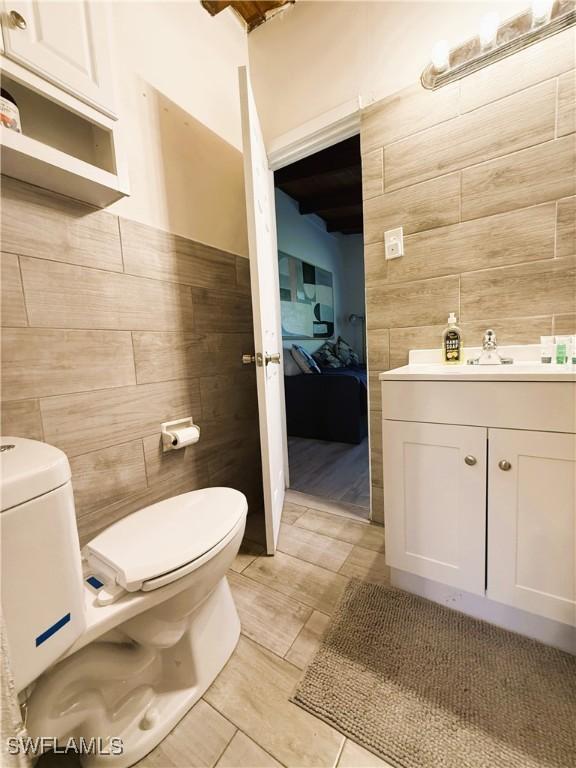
(253, 13)
(328, 184)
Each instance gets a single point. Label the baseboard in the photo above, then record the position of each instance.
(545, 630)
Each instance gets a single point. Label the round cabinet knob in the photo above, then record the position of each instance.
(504, 465)
(470, 460)
(17, 20)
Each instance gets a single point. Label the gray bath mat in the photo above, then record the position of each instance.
(423, 686)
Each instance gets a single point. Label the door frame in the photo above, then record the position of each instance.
(322, 132)
(329, 128)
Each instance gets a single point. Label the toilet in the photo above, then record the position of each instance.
(119, 641)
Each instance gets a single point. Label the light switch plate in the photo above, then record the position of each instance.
(394, 243)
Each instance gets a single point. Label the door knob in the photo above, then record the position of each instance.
(504, 465)
(17, 20)
(260, 359)
(470, 460)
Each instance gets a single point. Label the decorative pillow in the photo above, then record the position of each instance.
(326, 357)
(345, 352)
(291, 367)
(305, 361)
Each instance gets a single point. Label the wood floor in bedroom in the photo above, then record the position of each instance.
(335, 471)
(245, 719)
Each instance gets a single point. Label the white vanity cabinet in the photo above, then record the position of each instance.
(65, 43)
(435, 501)
(480, 491)
(531, 522)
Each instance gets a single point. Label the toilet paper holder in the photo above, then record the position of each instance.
(179, 433)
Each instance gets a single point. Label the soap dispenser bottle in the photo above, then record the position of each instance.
(452, 341)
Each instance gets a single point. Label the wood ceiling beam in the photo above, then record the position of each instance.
(328, 184)
(350, 223)
(254, 12)
(215, 6)
(344, 198)
(291, 175)
(344, 156)
(352, 212)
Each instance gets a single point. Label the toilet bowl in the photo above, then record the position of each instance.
(117, 648)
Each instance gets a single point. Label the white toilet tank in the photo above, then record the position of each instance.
(42, 589)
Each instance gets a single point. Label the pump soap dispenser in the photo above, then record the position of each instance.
(452, 342)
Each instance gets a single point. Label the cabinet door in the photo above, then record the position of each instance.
(67, 43)
(531, 522)
(435, 501)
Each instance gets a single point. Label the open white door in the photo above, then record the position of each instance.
(259, 183)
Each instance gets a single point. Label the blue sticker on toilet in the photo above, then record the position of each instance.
(52, 630)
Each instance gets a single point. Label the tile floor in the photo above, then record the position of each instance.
(245, 719)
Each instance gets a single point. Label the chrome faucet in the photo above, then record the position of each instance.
(490, 354)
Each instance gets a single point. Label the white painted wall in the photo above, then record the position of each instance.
(306, 238)
(176, 70)
(322, 54)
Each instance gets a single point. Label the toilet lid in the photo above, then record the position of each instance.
(167, 535)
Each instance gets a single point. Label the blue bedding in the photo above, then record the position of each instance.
(356, 372)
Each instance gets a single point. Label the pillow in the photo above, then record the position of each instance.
(326, 357)
(305, 361)
(345, 352)
(291, 367)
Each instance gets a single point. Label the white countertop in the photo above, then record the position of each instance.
(426, 365)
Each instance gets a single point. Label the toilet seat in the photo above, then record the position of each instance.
(160, 543)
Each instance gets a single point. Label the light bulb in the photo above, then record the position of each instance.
(541, 11)
(441, 55)
(489, 29)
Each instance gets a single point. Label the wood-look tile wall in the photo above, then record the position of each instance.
(110, 327)
(481, 175)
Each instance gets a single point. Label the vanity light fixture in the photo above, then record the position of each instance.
(489, 30)
(441, 56)
(497, 40)
(541, 12)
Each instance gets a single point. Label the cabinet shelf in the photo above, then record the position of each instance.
(71, 141)
(30, 160)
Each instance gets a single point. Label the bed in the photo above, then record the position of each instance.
(332, 405)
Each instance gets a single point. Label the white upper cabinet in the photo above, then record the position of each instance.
(66, 43)
(435, 502)
(532, 522)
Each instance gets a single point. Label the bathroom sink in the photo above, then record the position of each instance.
(426, 365)
(514, 372)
